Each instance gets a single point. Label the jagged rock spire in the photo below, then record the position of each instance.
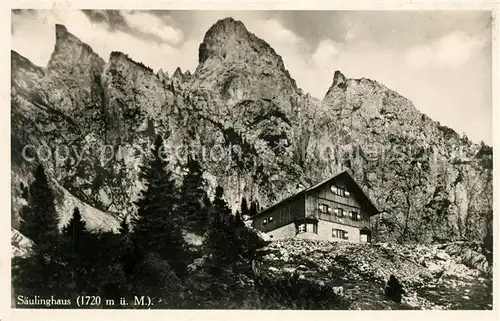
(338, 78)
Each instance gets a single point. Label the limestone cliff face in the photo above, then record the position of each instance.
(235, 65)
(73, 74)
(414, 168)
(256, 133)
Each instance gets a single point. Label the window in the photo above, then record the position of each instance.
(301, 228)
(355, 216)
(340, 234)
(324, 208)
(270, 219)
(339, 191)
(339, 212)
(265, 221)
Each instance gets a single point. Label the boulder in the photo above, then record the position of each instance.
(21, 245)
(338, 290)
(442, 256)
(433, 267)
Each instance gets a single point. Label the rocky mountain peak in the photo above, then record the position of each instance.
(237, 65)
(118, 57)
(229, 40)
(20, 62)
(62, 32)
(69, 50)
(73, 64)
(338, 87)
(225, 35)
(338, 78)
(226, 26)
(177, 73)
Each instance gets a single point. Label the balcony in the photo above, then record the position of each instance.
(339, 220)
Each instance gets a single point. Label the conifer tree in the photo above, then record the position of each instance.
(156, 227)
(238, 219)
(228, 239)
(192, 203)
(39, 220)
(43, 271)
(254, 208)
(219, 236)
(75, 229)
(80, 252)
(244, 207)
(124, 227)
(125, 251)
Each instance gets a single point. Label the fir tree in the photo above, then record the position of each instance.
(218, 238)
(220, 205)
(244, 207)
(43, 271)
(124, 227)
(109, 276)
(254, 208)
(39, 220)
(394, 290)
(192, 206)
(156, 227)
(75, 229)
(238, 219)
(80, 253)
(228, 239)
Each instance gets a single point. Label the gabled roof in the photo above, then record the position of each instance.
(351, 184)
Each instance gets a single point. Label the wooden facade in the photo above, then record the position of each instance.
(282, 215)
(339, 203)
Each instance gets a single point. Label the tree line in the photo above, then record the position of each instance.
(149, 256)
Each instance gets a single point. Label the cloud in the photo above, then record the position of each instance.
(276, 32)
(451, 50)
(33, 36)
(326, 51)
(148, 23)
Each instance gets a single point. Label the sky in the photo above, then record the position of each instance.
(440, 60)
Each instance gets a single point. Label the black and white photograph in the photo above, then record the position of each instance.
(169, 159)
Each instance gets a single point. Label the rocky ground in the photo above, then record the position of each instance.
(433, 277)
(313, 274)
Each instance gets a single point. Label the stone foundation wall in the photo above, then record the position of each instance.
(283, 232)
(324, 232)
